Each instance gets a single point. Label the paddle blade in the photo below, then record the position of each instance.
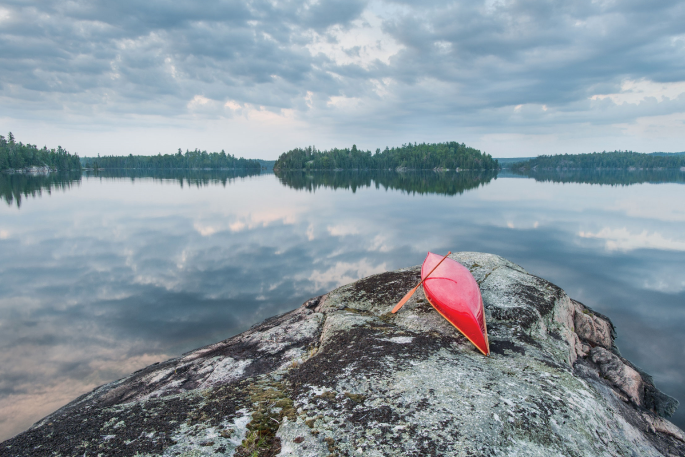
(404, 300)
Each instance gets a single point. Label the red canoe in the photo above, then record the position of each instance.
(454, 293)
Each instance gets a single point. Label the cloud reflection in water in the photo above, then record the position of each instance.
(116, 273)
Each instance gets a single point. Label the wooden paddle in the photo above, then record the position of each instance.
(406, 298)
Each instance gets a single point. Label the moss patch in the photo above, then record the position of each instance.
(270, 404)
(357, 398)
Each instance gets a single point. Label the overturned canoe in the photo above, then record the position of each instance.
(455, 294)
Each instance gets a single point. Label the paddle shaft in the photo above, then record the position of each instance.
(406, 298)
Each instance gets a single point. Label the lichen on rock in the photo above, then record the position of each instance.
(340, 375)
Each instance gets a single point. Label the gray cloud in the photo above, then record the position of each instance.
(529, 52)
(349, 67)
(124, 53)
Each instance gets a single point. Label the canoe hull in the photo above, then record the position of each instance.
(454, 293)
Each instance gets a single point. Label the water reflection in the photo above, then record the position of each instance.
(193, 177)
(414, 182)
(14, 187)
(123, 270)
(603, 177)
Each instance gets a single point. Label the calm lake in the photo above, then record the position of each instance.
(103, 274)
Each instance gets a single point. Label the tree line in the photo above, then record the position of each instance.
(601, 160)
(17, 155)
(424, 156)
(190, 160)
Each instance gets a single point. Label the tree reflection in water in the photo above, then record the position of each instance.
(412, 182)
(17, 186)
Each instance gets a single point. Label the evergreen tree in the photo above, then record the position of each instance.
(601, 160)
(415, 156)
(17, 155)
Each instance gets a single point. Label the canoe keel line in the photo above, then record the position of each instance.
(454, 293)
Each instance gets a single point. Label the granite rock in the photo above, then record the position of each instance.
(340, 375)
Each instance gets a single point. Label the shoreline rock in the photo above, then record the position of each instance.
(33, 170)
(340, 375)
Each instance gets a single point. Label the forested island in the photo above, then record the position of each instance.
(424, 156)
(616, 160)
(180, 161)
(19, 156)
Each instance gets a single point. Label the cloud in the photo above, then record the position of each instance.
(636, 91)
(362, 43)
(345, 272)
(624, 240)
(342, 230)
(372, 71)
(643, 205)
(208, 230)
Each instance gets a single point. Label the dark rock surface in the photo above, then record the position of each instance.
(342, 376)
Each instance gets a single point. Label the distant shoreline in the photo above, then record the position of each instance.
(613, 160)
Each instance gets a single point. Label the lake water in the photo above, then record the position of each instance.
(105, 274)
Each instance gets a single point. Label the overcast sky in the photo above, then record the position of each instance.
(256, 78)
